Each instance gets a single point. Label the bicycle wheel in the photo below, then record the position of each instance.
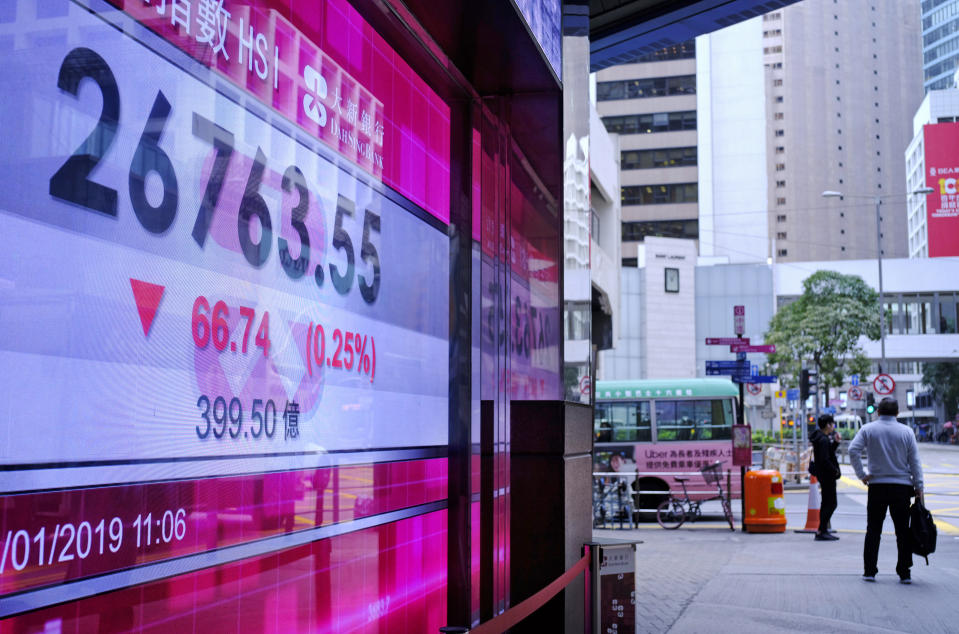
(670, 514)
(728, 512)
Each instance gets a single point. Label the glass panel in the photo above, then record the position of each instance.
(894, 318)
(947, 314)
(911, 309)
(622, 422)
(694, 420)
(926, 323)
(666, 428)
(723, 411)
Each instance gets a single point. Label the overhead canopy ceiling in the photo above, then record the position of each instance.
(622, 30)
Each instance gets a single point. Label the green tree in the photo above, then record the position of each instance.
(823, 327)
(943, 382)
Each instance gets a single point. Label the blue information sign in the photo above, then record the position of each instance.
(727, 364)
(792, 394)
(746, 378)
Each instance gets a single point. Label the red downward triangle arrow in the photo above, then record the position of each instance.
(147, 297)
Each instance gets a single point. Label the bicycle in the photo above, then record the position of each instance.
(672, 513)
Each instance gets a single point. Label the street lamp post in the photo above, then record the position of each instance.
(882, 299)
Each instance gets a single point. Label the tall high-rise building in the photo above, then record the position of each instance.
(842, 85)
(651, 104)
(940, 42)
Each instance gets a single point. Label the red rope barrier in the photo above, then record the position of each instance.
(523, 609)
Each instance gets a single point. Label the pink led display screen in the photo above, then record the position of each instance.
(322, 66)
(387, 578)
(50, 538)
(226, 404)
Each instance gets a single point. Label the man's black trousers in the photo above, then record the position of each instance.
(895, 497)
(828, 505)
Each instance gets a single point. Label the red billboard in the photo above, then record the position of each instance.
(942, 172)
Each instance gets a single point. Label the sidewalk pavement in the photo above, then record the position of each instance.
(704, 578)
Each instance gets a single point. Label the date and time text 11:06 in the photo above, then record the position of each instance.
(72, 183)
(67, 541)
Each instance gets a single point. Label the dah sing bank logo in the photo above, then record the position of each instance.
(312, 106)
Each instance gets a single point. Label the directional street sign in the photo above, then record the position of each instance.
(726, 341)
(855, 394)
(884, 384)
(728, 365)
(853, 379)
(792, 394)
(739, 319)
(738, 378)
(727, 371)
(738, 347)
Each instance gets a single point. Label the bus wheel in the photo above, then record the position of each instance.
(648, 497)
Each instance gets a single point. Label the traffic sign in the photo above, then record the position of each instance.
(728, 365)
(855, 394)
(727, 372)
(745, 347)
(739, 319)
(853, 379)
(726, 341)
(739, 378)
(884, 384)
(754, 388)
(792, 394)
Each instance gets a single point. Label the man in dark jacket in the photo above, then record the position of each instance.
(824, 441)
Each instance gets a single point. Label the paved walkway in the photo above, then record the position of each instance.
(705, 578)
(700, 579)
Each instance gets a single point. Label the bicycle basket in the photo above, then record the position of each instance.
(712, 473)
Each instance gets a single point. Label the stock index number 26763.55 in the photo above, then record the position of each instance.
(72, 183)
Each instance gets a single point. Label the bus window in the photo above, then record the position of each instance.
(693, 420)
(719, 424)
(623, 422)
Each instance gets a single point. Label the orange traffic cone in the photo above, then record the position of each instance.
(812, 513)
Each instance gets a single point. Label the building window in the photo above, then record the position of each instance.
(686, 50)
(781, 218)
(780, 167)
(778, 116)
(642, 88)
(780, 149)
(780, 235)
(666, 157)
(779, 99)
(651, 122)
(780, 184)
(660, 194)
(637, 231)
(782, 252)
(780, 201)
(780, 133)
(777, 82)
(672, 280)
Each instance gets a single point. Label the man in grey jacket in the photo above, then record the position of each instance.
(894, 476)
